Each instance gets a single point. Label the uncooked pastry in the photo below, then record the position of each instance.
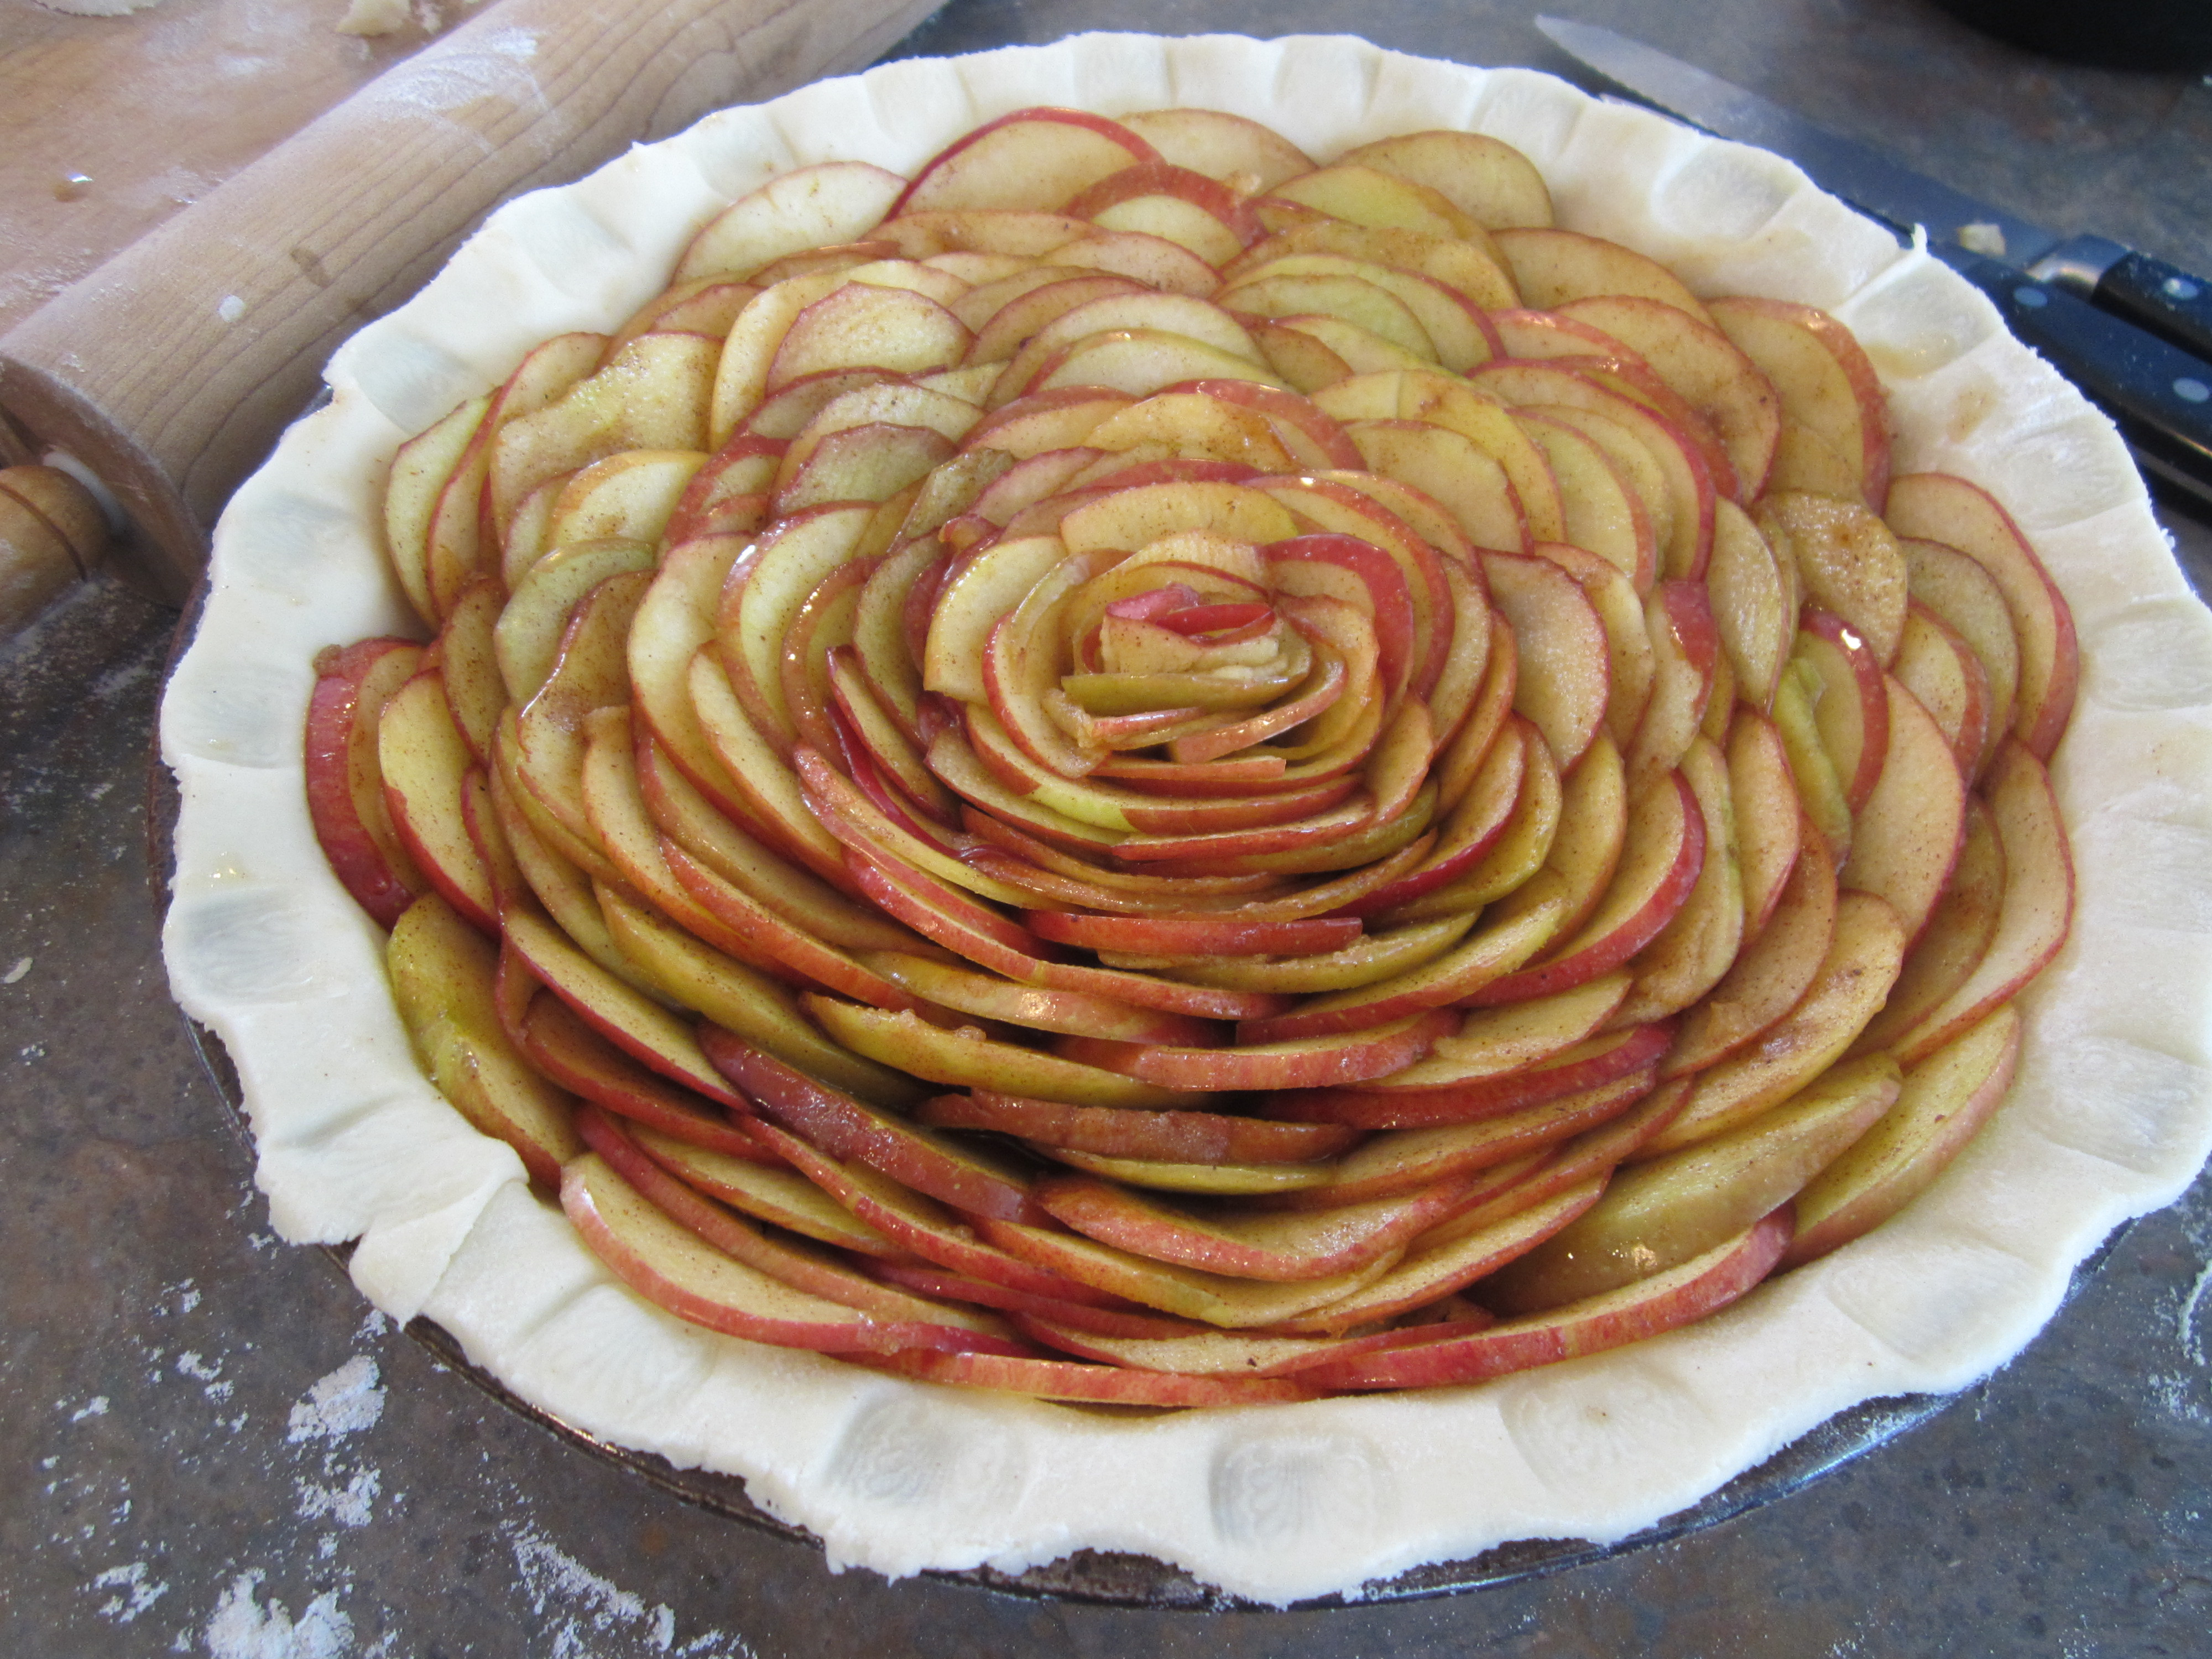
(2110, 1117)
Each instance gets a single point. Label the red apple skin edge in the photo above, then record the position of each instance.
(333, 708)
(1663, 1303)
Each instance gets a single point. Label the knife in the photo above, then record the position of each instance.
(2125, 350)
(2165, 298)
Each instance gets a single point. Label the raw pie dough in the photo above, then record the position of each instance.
(2110, 1117)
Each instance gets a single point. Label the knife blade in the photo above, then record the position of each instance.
(2116, 326)
(2163, 298)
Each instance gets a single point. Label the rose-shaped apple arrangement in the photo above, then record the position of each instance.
(1139, 771)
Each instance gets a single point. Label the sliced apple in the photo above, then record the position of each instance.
(1905, 841)
(1864, 955)
(1030, 158)
(1670, 1210)
(1662, 1302)
(1936, 507)
(346, 801)
(442, 972)
(1945, 1100)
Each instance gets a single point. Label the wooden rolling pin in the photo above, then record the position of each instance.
(53, 533)
(171, 369)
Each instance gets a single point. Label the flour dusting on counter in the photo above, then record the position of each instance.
(345, 1402)
(242, 1629)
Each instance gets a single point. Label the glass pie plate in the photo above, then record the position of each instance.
(2110, 1115)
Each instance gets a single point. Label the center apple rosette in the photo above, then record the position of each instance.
(1142, 771)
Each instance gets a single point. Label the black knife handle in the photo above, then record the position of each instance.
(2162, 298)
(2159, 395)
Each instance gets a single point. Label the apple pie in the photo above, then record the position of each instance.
(1244, 738)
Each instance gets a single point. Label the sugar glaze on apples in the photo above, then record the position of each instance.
(1140, 771)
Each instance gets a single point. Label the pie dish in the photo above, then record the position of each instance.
(2110, 1115)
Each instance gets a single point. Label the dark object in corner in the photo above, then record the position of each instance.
(2174, 36)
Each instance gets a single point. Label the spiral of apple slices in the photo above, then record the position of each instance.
(1141, 772)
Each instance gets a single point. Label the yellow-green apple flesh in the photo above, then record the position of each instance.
(1449, 402)
(772, 1194)
(1945, 1099)
(527, 637)
(690, 1190)
(575, 1056)
(1601, 511)
(1565, 669)
(1864, 955)
(1669, 1210)
(1199, 1182)
(1963, 595)
(1111, 1132)
(1664, 849)
(1699, 943)
(420, 473)
(1847, 560)
(1851, 709)
(1272, 1248)
(1754, 605)
(1528, 841)
(668, 1264)
(1554, 387)
(864, 325)
(1685, 660)
(1937, 665)
(590, 673)
(1030, 158)
(752, 1005)
(1313, 1060)
(423, 761)
(1957, 936)
(1222, 146)
(1363, 196)
(1770, 822)
(1430, 1271)
(968, 1059)
(1938, 507)
(631, 494)
(2037, 910)
(1191, 1292)
(1487, 956)
(1552, 267)
(1664, 1301)
(655, 393)
(465, 539)
(1512, 1148)
(1720, 382)
(969, 1178)
(1443, 1092)
(1185, 206)
(442, 978)
(642, 1026)
(1035, 1007)
(1826, 381)
(1199, 1352)
(468, 658)
(766, 588)
(1819, 786)
(1905, 841)
(829, 203)
(1489, 181)
(1467, 833)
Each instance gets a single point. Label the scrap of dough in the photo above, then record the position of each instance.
(373, 17)
(101, 8)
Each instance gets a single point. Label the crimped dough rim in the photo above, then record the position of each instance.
(2110, 1117)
